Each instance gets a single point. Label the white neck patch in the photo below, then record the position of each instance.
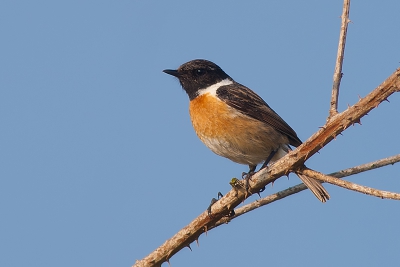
(212, 89)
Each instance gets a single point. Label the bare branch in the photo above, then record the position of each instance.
(335, 126)
(300, 187)
(366, 167)
(349, 185)
(337, 76)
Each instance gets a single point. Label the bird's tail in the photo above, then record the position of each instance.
(315, 187)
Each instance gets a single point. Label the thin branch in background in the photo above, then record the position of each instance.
(366, 167)
(349, 185)
(337, 76)
(300, 187)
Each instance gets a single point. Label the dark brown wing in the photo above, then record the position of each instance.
(242, 98)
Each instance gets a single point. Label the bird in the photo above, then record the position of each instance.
(236, 123)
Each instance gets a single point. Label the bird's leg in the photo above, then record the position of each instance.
(247, 176)
(271, 155)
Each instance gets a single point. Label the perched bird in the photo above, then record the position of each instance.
(234, 122)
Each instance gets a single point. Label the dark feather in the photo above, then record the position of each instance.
(245, 100)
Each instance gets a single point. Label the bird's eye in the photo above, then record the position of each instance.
(200, 72)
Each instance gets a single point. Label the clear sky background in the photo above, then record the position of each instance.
(99, 163)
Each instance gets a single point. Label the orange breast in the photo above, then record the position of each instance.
(231, 134)
(211, 117)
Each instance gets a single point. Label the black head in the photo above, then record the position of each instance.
(198, 74)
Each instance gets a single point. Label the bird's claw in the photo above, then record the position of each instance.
(231, 213)
(246, 177)
(213, 200)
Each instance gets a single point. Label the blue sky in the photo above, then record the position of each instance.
(100, 164)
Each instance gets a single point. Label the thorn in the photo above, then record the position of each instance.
(272, 184)
(386, 100)
(348, 105)
(325, 141)
(189, 247)
(359, 97)
(205, 230)
(167, 260)
(341, 134)
(197, 242)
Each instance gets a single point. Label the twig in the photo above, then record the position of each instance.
(366, 167)
(337, 76)
(349, 185)
(300, 187)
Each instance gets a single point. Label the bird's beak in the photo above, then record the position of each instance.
(172, 72)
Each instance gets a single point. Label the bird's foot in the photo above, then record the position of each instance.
(246, 177)
(231, 213)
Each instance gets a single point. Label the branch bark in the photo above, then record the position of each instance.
(337, 76)
(349, 185)
(366, 167)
